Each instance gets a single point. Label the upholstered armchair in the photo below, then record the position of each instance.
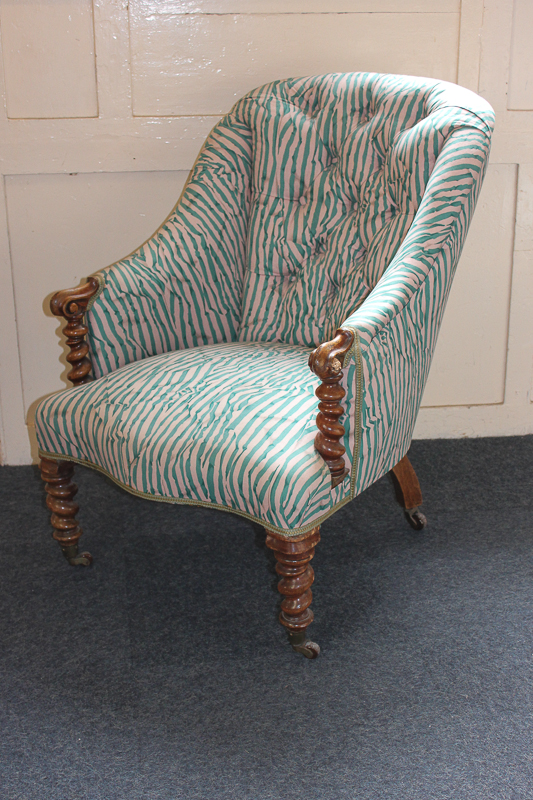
(310, 255)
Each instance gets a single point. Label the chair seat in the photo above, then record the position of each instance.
(230, 425)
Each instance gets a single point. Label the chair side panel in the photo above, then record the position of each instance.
(183, 286)
(400, 321)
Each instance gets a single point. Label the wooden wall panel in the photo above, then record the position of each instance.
(296, 6)
(178, 65)
(173, 53)
(520, 95)
(48, 50)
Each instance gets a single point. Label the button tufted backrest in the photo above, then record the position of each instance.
(296, 206)
(340, 164)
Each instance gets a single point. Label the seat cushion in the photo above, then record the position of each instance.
(230, 425)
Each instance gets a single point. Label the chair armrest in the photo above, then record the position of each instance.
(327, 362)
(72, 305)
(396, 327)
(430, 251)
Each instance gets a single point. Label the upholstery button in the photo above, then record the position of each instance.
(303, 201)
(334, 160)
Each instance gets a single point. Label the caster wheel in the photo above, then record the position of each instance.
(308, 649)
(416, 519)
(81, 560)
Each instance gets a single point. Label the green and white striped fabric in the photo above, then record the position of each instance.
(230, 425)
(335, 200)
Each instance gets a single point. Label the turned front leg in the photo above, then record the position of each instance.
(293, 557)
(60, 492)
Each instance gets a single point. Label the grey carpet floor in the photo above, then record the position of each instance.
(161, 672)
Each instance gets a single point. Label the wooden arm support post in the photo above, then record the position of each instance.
(60, 489)
(72, 305)
(326, 362)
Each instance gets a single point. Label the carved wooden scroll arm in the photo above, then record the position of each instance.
(72, 305)
(326, 362)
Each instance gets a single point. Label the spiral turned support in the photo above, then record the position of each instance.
(60, 492)
(72, 305)
(326, 362)
(293, 557)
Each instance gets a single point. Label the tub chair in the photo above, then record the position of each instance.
(309, 256)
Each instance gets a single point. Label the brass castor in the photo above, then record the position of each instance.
(415, 518)
(300, 644)
(76, 559)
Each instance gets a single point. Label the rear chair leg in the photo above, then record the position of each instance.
(60, 491)
(293, 557)
(408, 493)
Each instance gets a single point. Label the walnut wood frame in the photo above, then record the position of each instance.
(60, 492)
(293, 556)
(72, 305)
(327, 362)
(408, 493)
(56, 474)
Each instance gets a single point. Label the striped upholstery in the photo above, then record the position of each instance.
(317, 202)
(227, 424)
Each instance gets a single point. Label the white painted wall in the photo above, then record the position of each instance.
(108, 102)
